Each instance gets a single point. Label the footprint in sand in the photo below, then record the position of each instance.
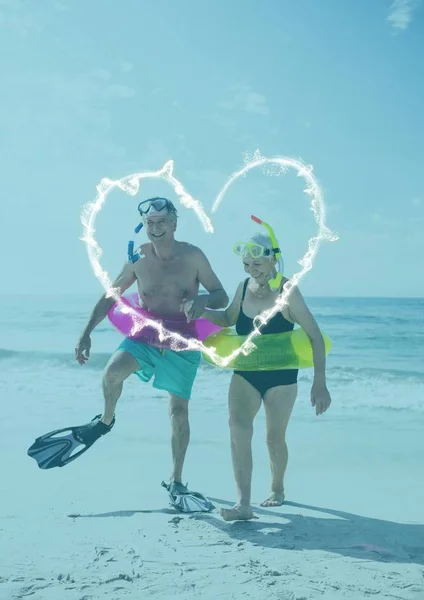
(103, 556)
(118, 564)
(30, 590)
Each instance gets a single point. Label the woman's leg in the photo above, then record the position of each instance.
(244, 402)
(278, 402)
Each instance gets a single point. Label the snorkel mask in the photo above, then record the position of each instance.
(256, 251)
(154, 205)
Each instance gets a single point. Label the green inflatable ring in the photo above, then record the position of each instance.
(273, 351)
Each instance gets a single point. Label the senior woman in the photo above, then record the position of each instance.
(276, 389)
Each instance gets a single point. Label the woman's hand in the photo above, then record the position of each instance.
(320, 397)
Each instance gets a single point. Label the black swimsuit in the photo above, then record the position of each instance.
(262, 381)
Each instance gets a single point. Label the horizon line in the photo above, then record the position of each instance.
(87, 294)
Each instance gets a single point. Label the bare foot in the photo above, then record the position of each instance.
(237, 513)
(275, 499)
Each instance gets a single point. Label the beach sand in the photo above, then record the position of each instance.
(102, 528)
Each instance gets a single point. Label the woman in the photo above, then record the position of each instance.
(276, 389)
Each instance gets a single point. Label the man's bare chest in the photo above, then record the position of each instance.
(160, 278)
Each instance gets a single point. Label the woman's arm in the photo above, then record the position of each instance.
(227, 317)
(300, 313)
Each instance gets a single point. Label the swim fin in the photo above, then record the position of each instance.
(55, 449)
(186, 501)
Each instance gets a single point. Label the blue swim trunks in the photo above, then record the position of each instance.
(174, 371)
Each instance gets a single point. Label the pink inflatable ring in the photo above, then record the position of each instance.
(124, 322)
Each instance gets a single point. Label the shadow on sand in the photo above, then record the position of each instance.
(123, 513)
(344, 533)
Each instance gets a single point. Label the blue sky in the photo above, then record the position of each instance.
(104, 89)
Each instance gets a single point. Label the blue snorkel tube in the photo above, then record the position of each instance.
(131, 256)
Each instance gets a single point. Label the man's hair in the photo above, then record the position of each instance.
(172, 211)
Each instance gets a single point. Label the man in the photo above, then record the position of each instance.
(168, 273)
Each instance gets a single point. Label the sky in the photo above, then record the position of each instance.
(106, 89)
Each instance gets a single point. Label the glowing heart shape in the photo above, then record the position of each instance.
(131, 185)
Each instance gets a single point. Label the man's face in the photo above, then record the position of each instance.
(160, 227)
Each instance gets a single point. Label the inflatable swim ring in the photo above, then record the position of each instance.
(199, 329)
(289, 350)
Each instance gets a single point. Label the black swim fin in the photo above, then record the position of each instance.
(186, 501)
(56, 449)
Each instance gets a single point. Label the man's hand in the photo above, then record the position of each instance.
(82, 351)
(320, 397)
(194, 309)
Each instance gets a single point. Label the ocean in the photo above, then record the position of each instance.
(102, 526)
(375, 364)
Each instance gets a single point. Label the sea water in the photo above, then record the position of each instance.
(375, 363)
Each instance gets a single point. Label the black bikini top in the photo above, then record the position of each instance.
(277, 324)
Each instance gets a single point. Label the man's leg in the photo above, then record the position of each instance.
(178, 413)
(244, 402)
(120, 366)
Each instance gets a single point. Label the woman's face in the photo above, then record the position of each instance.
(258, 268)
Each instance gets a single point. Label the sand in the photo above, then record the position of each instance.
(101, 528)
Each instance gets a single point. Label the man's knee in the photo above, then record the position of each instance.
(178, 409)
(112, 375)
(118, 369)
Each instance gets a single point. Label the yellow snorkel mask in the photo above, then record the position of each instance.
(256, 251)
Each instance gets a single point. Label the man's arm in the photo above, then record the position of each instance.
(217, 297)
(229, 316)
(124, 280)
